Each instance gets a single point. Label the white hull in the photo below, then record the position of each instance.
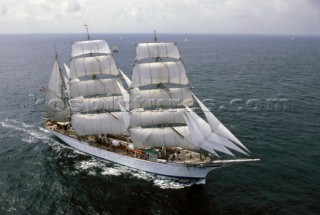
(167, 169)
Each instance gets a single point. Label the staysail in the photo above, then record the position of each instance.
(56, 105)
(202, 135)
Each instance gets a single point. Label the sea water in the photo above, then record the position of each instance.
(265, 89)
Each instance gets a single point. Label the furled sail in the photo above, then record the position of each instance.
(94, 87)
(153, 50)
(141, 117)
(84, 66)
(82, 104)
(161, 137)
(102, 123)
(159, 72)
(161, 97)
(56, 105)
(89, 47)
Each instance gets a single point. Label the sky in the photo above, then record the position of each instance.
(289, 17)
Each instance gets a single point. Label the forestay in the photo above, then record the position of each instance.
(152, 50)
(89, 47)
(103, 123)
(162, 97)
(94, 87)
(104, 64)
(161, 137)
(159, 72)
(141, 117)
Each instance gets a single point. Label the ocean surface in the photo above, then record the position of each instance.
(265, 89)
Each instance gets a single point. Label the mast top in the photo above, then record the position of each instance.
(155, 35)
(88, 36)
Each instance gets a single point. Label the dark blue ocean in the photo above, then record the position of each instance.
(265, 89)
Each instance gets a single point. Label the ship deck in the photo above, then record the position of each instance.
(155, 154)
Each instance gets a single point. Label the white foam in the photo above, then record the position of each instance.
(118, 170)
(84, 165)
(111, 171)
(28, 140)
(24, 128)
(36, 133)
(43, 129)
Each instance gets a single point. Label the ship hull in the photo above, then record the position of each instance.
(168, 169)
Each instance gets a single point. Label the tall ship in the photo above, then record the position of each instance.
(149, 122)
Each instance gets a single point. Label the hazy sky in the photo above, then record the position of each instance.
(167, 16)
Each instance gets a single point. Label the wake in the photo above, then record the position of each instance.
(31, 134)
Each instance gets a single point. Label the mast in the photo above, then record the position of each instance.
(157, 121)
(87, 29)
(94, 89)
(155, 40)
(159, 89)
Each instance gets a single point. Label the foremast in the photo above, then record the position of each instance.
(94, 89)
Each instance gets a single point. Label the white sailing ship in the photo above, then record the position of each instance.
(152, 126)
(115, 48)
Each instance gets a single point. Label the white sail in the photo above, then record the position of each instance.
(84, 66)
(67, 69)
(159, 72)
(103, 123)
(127, 80)
(172, 97)
(115, 48)
(82, 104)
(56, 106)
(205, 137)
(161, 137)
(217, 127)
(89, 47)
(125, 116)
(141, 117)
(125, 96)
(94, 87)
(152, 50)
(66, 77)
(196, 137)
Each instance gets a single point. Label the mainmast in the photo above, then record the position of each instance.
(157, 106)
(155, 36)
(155, 40)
